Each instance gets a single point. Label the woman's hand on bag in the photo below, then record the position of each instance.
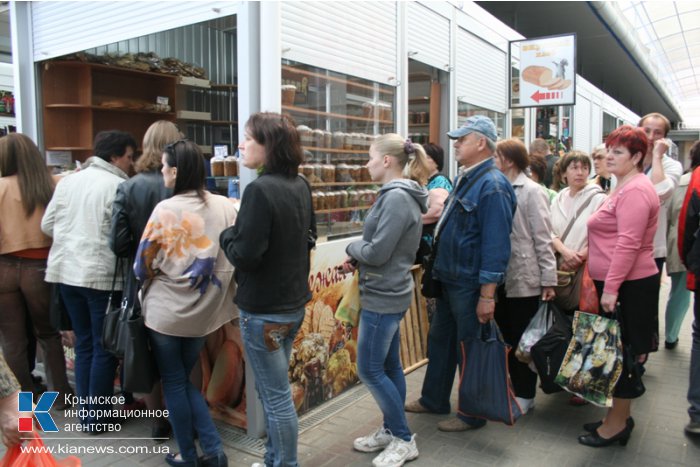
(548, 294)
(608, 301)
(8, 420)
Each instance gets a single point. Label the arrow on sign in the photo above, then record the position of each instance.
(537, 96)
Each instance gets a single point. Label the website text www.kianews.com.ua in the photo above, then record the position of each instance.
(72, 450)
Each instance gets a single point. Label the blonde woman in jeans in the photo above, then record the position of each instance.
(384, 257)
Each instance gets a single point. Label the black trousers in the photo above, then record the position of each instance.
(512, 316)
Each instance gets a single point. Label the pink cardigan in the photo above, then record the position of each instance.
(621, 235)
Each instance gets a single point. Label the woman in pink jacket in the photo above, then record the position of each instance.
(621, 262)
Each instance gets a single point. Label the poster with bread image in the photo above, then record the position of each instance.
(324, 357)
(547, 72)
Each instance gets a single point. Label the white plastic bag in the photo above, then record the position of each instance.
(538, 327)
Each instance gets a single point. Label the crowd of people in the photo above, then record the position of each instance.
(498, 236)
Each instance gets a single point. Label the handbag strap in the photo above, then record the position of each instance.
(462, 190)
(117, 263)
(576, 216)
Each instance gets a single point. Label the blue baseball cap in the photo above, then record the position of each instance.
(478, 123)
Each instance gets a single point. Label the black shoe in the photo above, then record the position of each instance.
(593, 426)
(215, 460)
(594, 440)
(161, 430)
(671, 345)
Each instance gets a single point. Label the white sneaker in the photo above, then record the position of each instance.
(258, 464)
(375, 441)
(397, 453)
(525, 404)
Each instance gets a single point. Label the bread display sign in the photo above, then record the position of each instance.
(547, 72)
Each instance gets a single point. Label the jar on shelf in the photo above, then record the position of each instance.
(318, 173)
(364, 174)
(230, 166)
(307, 170)
(288, 94)
(314, 200)
(327, 139)
(343, 197)
(368, 110)
(305, 135)
(317, 138)
(355, 173)
(321, 201)
(338, 140)
(353, 198)
(328, 173)
(342, 173)
(217, 167)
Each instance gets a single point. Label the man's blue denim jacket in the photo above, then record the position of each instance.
(474, 237)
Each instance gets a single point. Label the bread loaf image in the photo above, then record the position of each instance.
(539, 76)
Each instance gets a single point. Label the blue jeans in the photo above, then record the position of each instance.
(677, 306)
(94, 368)
(379, 368)
(268, 340)
(454, 320)
(694, 386)
(187, 410)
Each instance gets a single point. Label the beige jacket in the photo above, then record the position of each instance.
(79, 218)
(577, 237)
(673, 258)
(532, 264)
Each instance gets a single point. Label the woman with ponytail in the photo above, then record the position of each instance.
(384, 257)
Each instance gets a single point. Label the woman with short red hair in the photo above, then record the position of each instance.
(621, 263)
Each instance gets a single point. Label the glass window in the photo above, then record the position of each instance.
(554, 125)
(338, 116)
(609, 124)
(465, 111)
(518, 123)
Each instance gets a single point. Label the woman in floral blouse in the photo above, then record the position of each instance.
(188, 293)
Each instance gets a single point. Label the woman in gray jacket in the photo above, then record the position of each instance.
(532, 270)
(384, 257)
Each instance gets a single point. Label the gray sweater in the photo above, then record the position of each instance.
(388, 247)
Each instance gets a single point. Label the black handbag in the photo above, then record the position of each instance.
(548, 353)
(114, 325)
(140, 368)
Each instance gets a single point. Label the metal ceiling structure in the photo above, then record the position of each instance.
(609, 52)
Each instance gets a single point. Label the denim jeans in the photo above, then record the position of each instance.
(677, 306)
(25, 303)
(187, 410)
(94, 368)
(379, 367)
(454, 320)
(694, 384)
(268, 340)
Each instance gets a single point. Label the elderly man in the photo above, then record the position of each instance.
(473, 248)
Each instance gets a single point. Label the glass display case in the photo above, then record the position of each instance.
(466, 110)
(337, 116)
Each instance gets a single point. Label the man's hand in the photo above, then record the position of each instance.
(660, 147)
(347, 266)
(485, 310)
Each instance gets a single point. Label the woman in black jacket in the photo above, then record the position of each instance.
(131, 210)
(269, 247)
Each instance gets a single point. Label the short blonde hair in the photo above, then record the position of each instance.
(158, 135)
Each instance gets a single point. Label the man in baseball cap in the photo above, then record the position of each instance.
(471, 260)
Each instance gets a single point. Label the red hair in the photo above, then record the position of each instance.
(632, 138)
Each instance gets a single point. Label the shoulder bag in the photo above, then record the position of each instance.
(568, 289)
(114, 325)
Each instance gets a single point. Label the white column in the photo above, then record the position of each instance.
(26, 106)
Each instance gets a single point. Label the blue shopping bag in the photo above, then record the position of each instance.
(485, 389)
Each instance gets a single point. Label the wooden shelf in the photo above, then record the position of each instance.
(224, 86)
(291, 69)
(338, 151)
(7, 114)
(325, 184)
(412, 125)
(291, 108)
(330, 211)
(107, 109)
(109, 69)
(419, 100)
